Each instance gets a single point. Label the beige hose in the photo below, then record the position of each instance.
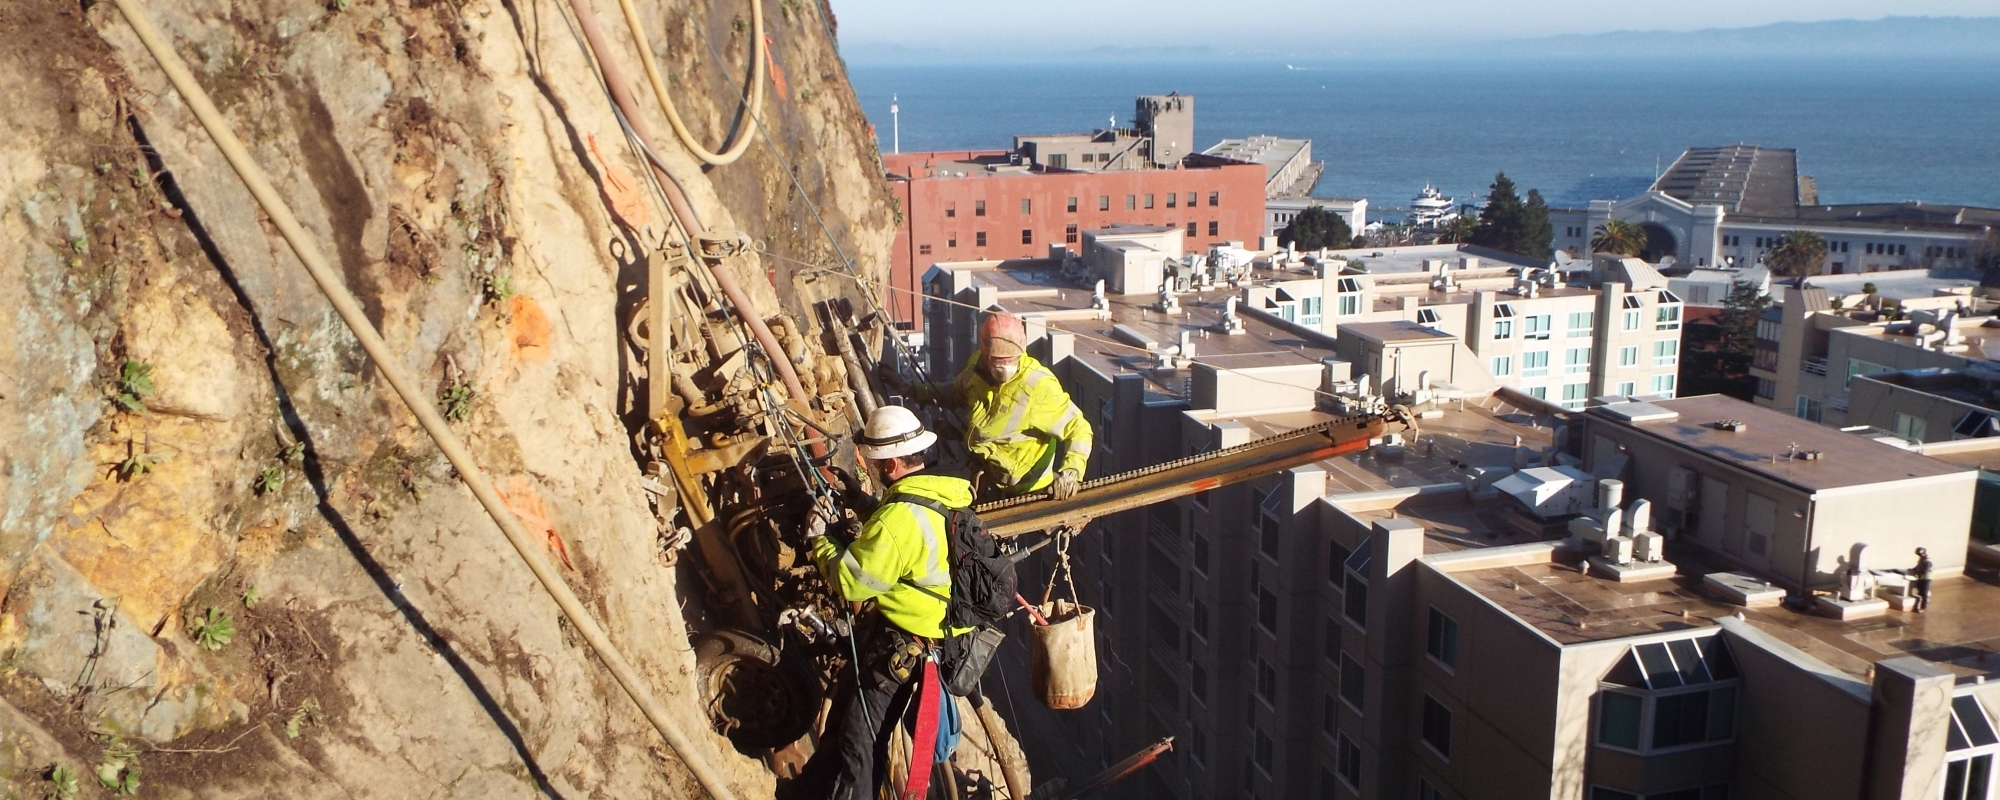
(731, 150)
(419, 403)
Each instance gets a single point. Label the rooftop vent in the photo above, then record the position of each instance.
(1731, 425)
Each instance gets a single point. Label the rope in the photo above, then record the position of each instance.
(417, 401)
(738, 143)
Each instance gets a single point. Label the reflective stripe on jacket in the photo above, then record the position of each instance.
(900, 541)
(1013, 426)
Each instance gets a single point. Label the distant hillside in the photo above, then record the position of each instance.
(1889, 37)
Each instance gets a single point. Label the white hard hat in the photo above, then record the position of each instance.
(893, 431)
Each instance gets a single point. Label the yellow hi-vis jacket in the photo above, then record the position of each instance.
(900, 541)
(1015, 426)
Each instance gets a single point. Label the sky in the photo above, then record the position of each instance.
(1302, 26)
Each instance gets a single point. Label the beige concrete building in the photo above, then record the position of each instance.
(1614, 330)
(1385, 625)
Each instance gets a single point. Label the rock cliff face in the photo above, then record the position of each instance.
(232, 564)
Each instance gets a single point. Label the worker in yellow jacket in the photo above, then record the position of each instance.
(900, 561)
(1021, 426)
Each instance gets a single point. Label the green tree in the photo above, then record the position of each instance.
(1458, 230)
(1538, 237)
(1503, 221)
(1719, 353)
(1619, 237)
(1797, 255)
(1315, 228)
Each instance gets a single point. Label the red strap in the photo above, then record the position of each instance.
(923, 743)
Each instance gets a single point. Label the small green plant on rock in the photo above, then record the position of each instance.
(271, 480)
(212, 630)
(135, 383)
(137, 462)
(250, 597)
(308, 713)
(62, 782)
(119, 771)
(457, 401)
(499, 287)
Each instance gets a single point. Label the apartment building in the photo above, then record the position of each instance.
(1810, 349)
(1612, 330)
(1385, 625)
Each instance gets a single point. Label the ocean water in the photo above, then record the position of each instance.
(1868, 132)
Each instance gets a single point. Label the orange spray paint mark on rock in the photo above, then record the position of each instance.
(527, 329)
(522, 499)
(623, 193)
(777, 75)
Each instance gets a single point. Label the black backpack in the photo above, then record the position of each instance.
(983, 584)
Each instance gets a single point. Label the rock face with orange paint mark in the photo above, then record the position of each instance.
(429, 148)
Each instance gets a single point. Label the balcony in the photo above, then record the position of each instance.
(1815, 366)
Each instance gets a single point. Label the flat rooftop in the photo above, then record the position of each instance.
(1960, 633)
(1390, 260)
(1271, 151)
(1907, 284)
(1030, 287)
(1753, 180)
(1476, 435)
(1396, 332)
(1845, 460)
(1977, 341)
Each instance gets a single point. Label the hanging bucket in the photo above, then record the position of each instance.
(1064, 656)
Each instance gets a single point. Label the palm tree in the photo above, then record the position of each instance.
(1458, 230)
(1797, 255)
(1620, 238)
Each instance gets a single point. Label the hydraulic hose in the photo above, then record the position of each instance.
(419, 403)
(732, 150)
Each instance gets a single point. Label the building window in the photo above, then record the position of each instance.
(1027, 206)
(1329, 722)
(1336, 564)
(1535, 363)
(1267, 683)
(923, 249)
(1425, 791)
(1347, 759)
(979, 239)
(1970, 743)
(1767, 388)
(1808, 408)
(1149, 201)
(1131, 202)
(1540, 326)
(1350, 304)
(1631, 320)
(1538, 392)
(1268, 506)
(1263, 751)
(1574, 395)
(1441, 639)
(951, 211)
(1666, 352)
(1214, 199)
(1059, 161)
(1437, 727)
(1199, 749)
(1190, 200)
(1267, 611)
(1911, 428)
(1072, 205)
(1171, 197)
(1354, 605)
(1329, 645)
(1353, 682)
(1104, 202)
(1503, 329)
(1580, 323)
(1503, 366)
(1628, 356)
(1669, 318)
(1576, 360)
(979, 208)
(1428, 317)
(1027, 236)
(1856, 367)
(1214, 228)
(1198, 682)
(1200, 545)
(1663, 385)
(1200, 615)
(951, 241)
(1669, 695)
(1069, 233)
(1191, 229)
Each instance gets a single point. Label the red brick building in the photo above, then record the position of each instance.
(991, 204)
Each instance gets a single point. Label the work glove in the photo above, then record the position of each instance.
(1066, 485)
(822, 515)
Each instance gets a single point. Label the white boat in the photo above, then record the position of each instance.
(1431, 208)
